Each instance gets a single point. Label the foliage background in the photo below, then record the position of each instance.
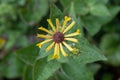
(98, 20)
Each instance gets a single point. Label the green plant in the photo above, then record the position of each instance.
(99, 39)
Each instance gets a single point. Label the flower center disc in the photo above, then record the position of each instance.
(58, 37)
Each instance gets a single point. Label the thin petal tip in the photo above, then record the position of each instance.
(73, 22)
(39, 45)
(40, 27)
(76, 41)
(67, 18)
(56, 57)
(48, 19)
(65, 55)
(78, 30)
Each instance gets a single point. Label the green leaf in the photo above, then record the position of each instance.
(80, 6)
(12, 39)
(114, 10)
(44, 69)
(34, 10)
(7, 9)
(28, 73)
(88, 53)
(94, 2)
(94, 67)
(114, 58)
(78, 21)
(23, 41)
(55, 12)
(43, 53)
(107, 43)
(111, 48)
(72, 11)
(28, 54)
(103, 1)
(21, 2)
(64, 2)
(76, 71)
(99, 10)
(61, 75)
(11, 66)
(93, 23)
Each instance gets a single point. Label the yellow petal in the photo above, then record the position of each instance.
(56, 52)
(62, 50)
(69, 27)
(43, 29)
(69, 48)
(67, 18)
(72, 39)
(50, 46)
(73, 34)
(65, 22)
(41, 43)
(58, 49)
(57, 24)
(43, 36)
(51, 24)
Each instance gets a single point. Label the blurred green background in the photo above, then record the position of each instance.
(19, 20)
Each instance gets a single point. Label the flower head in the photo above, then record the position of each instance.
(58, 37)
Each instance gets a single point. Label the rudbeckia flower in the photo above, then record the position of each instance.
(58, 37)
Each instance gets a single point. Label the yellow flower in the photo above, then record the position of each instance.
(2, 42)
(58, 37)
